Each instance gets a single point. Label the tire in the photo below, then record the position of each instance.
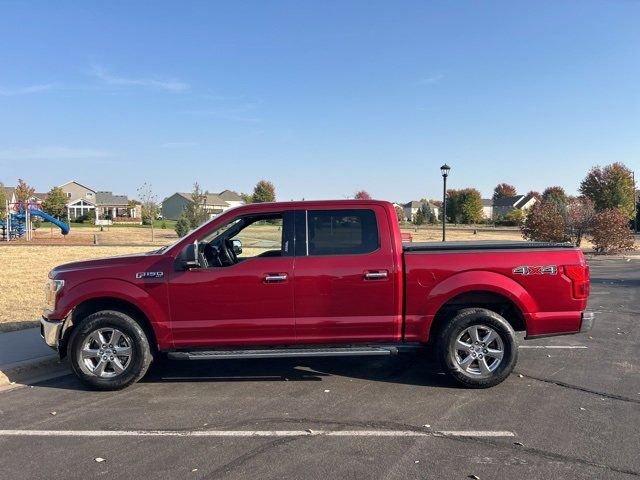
(477, 348)
(105, 365)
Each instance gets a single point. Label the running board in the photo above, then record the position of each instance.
(282, 353)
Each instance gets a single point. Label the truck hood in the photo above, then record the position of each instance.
(100, 263)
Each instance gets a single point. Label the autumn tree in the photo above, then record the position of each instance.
(544, 223)
(611, 232)
(534, 194)
(580, 216)
(504, 190)
(264, 191)
(558, 195)
(56, 203)
(362, 195)
(610, 187)
(24, 191)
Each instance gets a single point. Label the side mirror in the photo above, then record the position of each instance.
(188, 258)
(237, 246)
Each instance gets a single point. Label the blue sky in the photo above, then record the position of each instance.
(322, 98)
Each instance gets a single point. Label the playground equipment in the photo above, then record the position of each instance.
(18, 223)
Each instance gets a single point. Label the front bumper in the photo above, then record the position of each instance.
(51, 331)
(588, 319)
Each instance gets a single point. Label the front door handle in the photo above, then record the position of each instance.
(376, 275)
(280, 277)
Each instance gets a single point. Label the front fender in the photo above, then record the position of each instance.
(149, 304)
(425, 309)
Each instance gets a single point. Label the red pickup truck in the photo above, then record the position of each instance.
(320, 278)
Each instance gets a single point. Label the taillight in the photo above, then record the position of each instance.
(579, 275)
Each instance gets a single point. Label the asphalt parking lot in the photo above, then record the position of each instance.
(570, 411)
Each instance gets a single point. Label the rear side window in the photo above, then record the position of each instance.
(342, 232)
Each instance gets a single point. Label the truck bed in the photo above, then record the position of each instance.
(483, 245)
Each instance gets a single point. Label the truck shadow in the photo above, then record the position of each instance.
(404, 369)
(408, 369)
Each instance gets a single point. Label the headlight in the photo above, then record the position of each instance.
(51, 292)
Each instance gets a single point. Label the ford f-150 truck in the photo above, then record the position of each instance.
(318, 278)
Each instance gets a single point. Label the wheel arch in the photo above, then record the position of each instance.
(487, 299)
(96, 304)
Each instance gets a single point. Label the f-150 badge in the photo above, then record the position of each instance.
(149, 274)
(531, 270)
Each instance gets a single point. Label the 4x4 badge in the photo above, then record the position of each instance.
(535, 270)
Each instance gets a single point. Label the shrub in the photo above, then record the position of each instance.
(611, 232)
(545, 223)
(182, 226)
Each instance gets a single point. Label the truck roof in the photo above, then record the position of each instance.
(319, 203)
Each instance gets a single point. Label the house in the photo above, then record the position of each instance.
(82, 200)
(113, 207)
(10, 194)
(173, 206)
(502, 206)
(232, 198)
(487, 208)
(411, 208)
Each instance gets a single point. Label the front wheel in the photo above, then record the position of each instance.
(109, 351)
(478, 348)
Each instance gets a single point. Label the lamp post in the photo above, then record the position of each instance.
(445, 173)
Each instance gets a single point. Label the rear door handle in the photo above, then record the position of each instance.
(275, 278)
(376, 275)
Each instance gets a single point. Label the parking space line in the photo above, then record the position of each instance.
(553, 347)
(254, 433)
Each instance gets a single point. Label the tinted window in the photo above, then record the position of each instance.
(342, 232)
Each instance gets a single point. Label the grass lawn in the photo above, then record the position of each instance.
(24, 273)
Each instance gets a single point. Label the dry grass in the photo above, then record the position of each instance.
(106, 236)
(24, 271)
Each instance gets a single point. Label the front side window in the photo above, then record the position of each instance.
(342, 232)
(252, 236)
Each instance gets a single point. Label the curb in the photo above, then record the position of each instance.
(31, 370)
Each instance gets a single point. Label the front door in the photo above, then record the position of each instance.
(245, 302)
(345, 277)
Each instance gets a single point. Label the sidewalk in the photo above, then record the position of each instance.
(24, 355)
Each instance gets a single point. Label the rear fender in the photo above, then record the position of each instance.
(470, 281)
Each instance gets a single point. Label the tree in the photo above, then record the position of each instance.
(504, 190)
(362, 195)
(182, 226)
(24, 191)
(534, 194)
(195, 210)
(246, 197)
(399, 213)
(149, 206)
(56, 203)
(556, 194)
(464, 206)
(514, 218)
(419, 218)
(611, 232)
(580, 216)
(264, 191)
(3, 203)
(610, 187)
(544, 223)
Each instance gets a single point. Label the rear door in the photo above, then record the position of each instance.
(345, 276)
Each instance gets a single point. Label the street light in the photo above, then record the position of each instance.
(445, 173)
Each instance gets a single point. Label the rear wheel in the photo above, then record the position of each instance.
(109, 351)
(478, 348)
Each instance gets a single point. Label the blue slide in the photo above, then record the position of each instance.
(64, 228)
